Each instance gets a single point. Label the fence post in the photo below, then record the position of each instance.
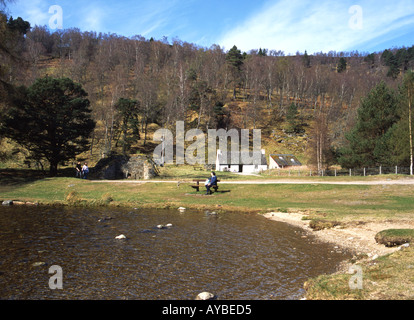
(364, 172)
(350, 172)
(335, 172)
(396, 169)
(380, 170)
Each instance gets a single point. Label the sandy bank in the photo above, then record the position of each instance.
(357, 237)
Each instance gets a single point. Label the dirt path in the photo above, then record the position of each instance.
(406, 181)
(402, 181)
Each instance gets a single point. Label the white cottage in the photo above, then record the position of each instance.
(279, 161)
(233, 163)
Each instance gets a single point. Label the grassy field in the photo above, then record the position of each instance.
(330, 201)
(391, 277)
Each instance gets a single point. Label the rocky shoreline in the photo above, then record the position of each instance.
(358, 237)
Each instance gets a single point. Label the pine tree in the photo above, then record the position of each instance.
(128, 111)
(292, 117)
(235, 59)
(306, 60)
(390, 61)
(369, 139)
(341, 65)
(51, 119)
(402, 133)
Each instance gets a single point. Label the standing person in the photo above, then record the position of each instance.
(78, 170)
(212, 182)
(85, 171)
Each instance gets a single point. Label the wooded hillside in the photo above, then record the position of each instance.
(304, 104)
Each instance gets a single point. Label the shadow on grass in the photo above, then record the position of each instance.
(18, 177)
(201, 193)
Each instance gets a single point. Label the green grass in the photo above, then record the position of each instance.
(395, 237)
(391, 277)
(331, 202)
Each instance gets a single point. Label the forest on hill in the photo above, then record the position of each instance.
(308, 104)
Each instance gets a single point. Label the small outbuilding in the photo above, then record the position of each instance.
(280, 161)
(233, 163)
(134, 167)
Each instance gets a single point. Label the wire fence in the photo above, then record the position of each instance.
(362, 172)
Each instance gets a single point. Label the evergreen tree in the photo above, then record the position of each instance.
(306, 60)
(341, 65)
(128, 111)
(390, 61)
(292, 118)
(222, 116)
(370, 59)
(11, 59)
(369, 139)
(51, 119)
(234, 60)
(262, 53)
(401, 142)
(402, 59)
(19, 25)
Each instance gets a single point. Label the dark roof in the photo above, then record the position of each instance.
(285, 160)
(238, 156)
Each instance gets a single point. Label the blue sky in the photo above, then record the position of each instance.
(286, 25)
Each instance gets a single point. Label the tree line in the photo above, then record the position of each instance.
(134, 83)
(383, 132)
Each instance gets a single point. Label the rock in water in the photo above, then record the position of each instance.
(105, 219)
(121, 236)
(7, 202)
(205, 296)
(38, 264)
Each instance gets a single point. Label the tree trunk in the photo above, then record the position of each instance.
(53, 168)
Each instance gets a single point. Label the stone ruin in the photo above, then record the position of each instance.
(136, 167)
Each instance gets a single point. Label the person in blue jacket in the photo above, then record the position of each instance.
(212, 182)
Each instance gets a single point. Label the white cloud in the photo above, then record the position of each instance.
(36, 11)
(302, 25)
(91, 18)
(147, 18)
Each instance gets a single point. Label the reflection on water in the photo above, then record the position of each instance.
(233, 255)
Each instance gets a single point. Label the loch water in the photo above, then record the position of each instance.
(233, 255)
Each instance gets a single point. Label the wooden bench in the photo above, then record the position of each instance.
(197, 186)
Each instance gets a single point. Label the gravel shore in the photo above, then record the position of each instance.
(356, 237)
